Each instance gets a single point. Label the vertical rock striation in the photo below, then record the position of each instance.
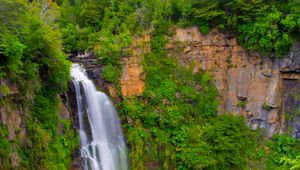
(249, 84)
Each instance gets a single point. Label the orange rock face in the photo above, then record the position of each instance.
(249, 84)
(132, 79)
(246, 81)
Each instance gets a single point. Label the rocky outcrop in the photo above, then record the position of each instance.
(249, 84)
(291, 63)
(93, 70)
(12, 118)
(261, 88)
(132, 79)
(132, 82)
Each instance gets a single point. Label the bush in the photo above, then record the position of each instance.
(32, 58)
(12, 49)
(111, 73)
(282, 147)
(5, 148)
(231, 140)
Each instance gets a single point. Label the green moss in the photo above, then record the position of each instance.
(5, 148)
(111, 73)
(47, 149)
(242, 103)
(281, 146)
(177, 115)
(4, 90)
(204, 28)
(174, 122)
(267, 107)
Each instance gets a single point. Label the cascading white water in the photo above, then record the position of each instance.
(102, 142)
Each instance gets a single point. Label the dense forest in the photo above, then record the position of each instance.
(176, 115)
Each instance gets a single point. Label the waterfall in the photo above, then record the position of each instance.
(101, 138)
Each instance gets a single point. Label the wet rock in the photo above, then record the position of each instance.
(72, 102)
(94, 73)
(291, 105)
(296, 128)
(76, 164)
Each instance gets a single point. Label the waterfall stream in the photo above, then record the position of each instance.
(101, 137)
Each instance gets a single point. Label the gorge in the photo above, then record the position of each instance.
(149, 84)
(261, 89)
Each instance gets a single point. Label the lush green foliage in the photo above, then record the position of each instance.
(172, 115)
(5, 148)
(49, 147)
(33, 60)
(291, 163)
(283, 150)
(174, 124)
(261, 25)
(265, 26)
(177, 115)
(30, 48)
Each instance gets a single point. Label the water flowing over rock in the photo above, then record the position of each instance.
(102, 142)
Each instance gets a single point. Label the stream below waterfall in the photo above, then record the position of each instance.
(101, 137)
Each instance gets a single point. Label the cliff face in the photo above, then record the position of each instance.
(15, 135)
(263, 89)
(12, 118)
(132, 79)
